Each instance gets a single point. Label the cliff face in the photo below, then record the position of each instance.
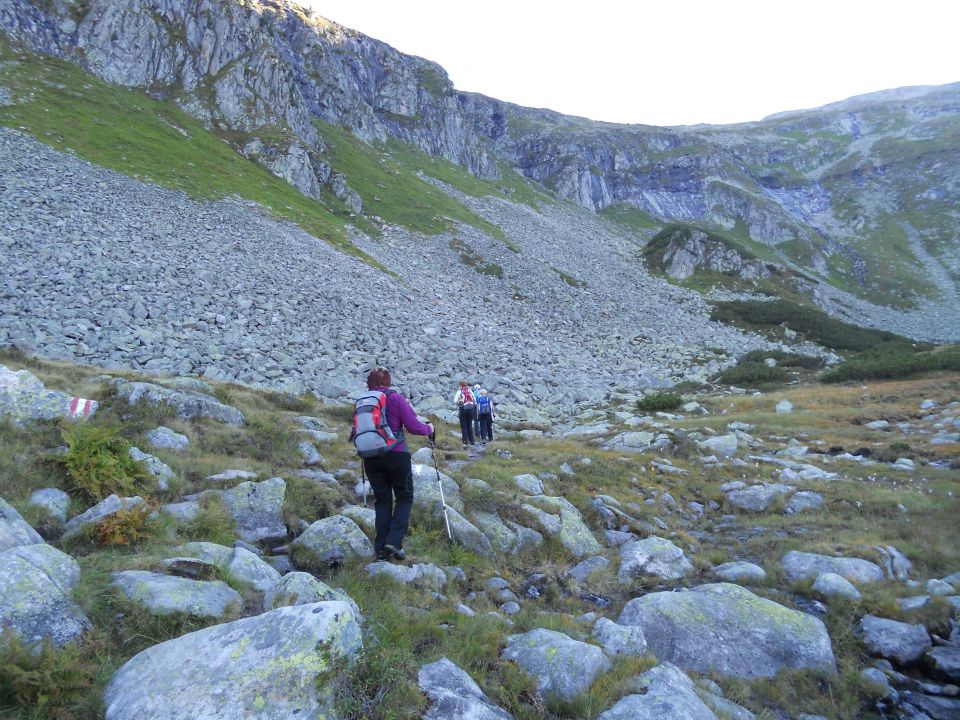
(860, 192)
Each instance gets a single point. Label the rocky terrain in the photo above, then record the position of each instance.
(858, 194)
(697, 564)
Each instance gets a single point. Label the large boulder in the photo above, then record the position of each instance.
(668, 695)
(265, 667)
(562, 668)
(901, 642)
(803, 501)
(333, 540)
(35, 602)
(257, 509)
(166, 595)
(300, 588)
(566, 524)
(14, 530)
(619, 639)
(726, 628)
(240, 563)
(468, 534)
(186, 404)
(807, 566)
(110, 505)
(426, 491)
(23, 398)
(454, 694)
(53, 500)
(167, 439)
(506, 536)
(722, 446)
(740, 571)
(652, 556)
(634, 441)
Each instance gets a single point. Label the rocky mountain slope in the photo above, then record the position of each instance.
(858, 194)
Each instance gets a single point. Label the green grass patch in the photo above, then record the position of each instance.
(632, 218)
(150, 140)
(472, 259)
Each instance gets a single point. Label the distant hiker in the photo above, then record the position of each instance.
(379, 420)
(487, 414)
(476, 411)
(466, 409)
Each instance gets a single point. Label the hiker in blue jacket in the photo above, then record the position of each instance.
(487, 413)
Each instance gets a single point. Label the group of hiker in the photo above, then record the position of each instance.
(381, 418)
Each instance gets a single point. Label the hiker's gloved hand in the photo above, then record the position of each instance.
(433, 434)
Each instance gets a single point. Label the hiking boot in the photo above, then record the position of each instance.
(394, 553)
(383, 555)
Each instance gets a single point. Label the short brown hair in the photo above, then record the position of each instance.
(378, 377)
(463, 383)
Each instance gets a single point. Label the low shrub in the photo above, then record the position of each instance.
(893, 361)
(659, 402)
(784, 358)
(129, 526)
(98, 462)
(753, 374)
(43, 676)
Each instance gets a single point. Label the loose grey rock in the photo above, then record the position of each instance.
(938, 588)
(652, 556)
(423, 575)
(619, 639)
(784, 406)
(14, 530)
(333, 540)
(257, 509)
(35, 600)
(616, 538)
(668, 693)
(583, 570)
(182, 511)
(632, 442)
(803, 501)
(758, 498)
(562, 668)
(724, 446)
(300, 588)
(54, 500)
(265, 666)
(165, 438)
(160, 471)
(242, 564)
(426, 492)
(364, 517)
(103, 509)
(727, 629)
(831, 585)
(901, 642)
(454, 694)
(807, 566)
(895, 564)
(566, 525)
(740, 572)
(528, 484)
(230, 475)
(510, 608)
(186, 404)
(944, 660)
(309, 454)
(165, 594)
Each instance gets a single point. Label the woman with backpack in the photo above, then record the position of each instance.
(391, 473)
(466, 408)
(485, 412)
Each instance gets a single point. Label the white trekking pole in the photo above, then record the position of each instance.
(443, 502)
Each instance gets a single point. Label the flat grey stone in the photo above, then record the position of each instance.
(944, 660)
(166, 595)
(740, 572)
(652, 556)
(528, 484)
(454, 694)
(423, 575)
(560, 518)
(619, 639)
(831, 585)
(727, 629)
(583, 570)
(901, 642)
(14, 530)
(186, 404)
(257, 509)
(265, 666)
(807, 566)
(167, 439)
(803, 501)
(758, 498)
(333, 540)
(242, 564)
(561, 667)
(54, 500)
(160, 471)
(300, 588)
(668, 694)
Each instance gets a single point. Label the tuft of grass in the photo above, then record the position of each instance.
(471, 258)
(212, 524)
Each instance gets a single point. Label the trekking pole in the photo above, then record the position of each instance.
(443, 502)
(363, 483)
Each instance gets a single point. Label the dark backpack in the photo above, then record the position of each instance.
(484, 405)
(371, 434)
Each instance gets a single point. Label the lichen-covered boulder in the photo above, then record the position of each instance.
(562, 667)
(257, 509)
(167, 439)
(426, 491)
(631, 441)
(468, 534)
(668, 694)
(723, 445)
(166, 594)
(807, 566)
(454, 694)
(242, 564)
(803, 501)
(584, 569)
(568, 527)
(528, 484)
(423, 575)
(901, 642)
(727, 629)
(14, 530)
(186, 404)
(362, 516)
(23, 398)
(110, 505)
(300, 588)
(740, 571)
(333, 540)
(35, 602)
(506, 537)
(654, 556)
(265, 667)
(54, 500)
(619, 639)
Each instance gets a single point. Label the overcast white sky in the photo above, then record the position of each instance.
(670, 62)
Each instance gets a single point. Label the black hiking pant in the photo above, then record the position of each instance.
(466, 425)
(486, 427)
(391, 477)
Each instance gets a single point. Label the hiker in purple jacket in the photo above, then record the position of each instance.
(391, 476)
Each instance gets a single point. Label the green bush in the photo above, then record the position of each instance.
(659, 402)
(783, 358)
(98, 462)
(815, 324)
(43, 676)
(753, 374)
(893, 362)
